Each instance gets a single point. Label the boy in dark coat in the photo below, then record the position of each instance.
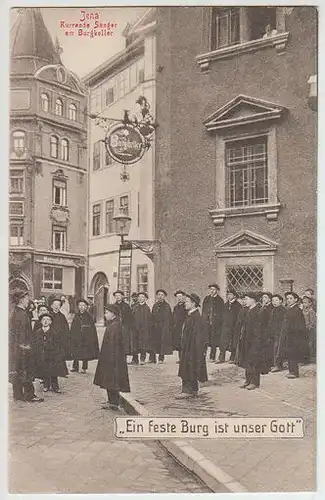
(266, 335)
(112, 372)
(161, 332)
(179, 315)
(48, 358)
(142, 328)
(276, 324)
(294, 334)
(83, 336)
(228, 329)
(20, 336)
(127, 322)
(212, 311)
(192, 366)
(61, 326)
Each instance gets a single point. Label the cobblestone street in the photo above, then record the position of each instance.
(66, 445)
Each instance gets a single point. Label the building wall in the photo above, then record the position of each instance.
(186, 153)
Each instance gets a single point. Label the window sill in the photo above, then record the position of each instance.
(270, 211)
(278, 41)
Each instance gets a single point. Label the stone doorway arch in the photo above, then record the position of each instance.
(99, 288)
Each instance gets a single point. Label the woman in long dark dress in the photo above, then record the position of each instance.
(112, 372)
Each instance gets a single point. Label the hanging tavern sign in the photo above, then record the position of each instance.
(125, 143)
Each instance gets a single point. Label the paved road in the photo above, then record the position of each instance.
(66, 445)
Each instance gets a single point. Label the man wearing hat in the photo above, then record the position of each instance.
(294, 334)
(192, 366)
(212, 312)
(61, 326)
(179, 315)
(228, 331)
(112, 371)
(127, 322)
(142, 328)
(161, 332)
(276, 324)
(20, 335)
(83, 337)
(134, 300)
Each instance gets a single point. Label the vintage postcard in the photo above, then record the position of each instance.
(162, 249)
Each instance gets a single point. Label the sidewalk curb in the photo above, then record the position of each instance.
(191, 459)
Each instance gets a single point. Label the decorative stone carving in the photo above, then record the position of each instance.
(60, 215)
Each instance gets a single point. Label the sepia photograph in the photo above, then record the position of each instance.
(162, 249)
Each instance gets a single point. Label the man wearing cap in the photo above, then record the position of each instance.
(142, 328)
(212, 312)
(294, 334)
(179, 315)
(61, 327)
(228, 331)
(127, 322)
(83, 336)
(20, 335)
(112, 371)
(276, 324)
(161, 333)
(192, 366)
(266, 336)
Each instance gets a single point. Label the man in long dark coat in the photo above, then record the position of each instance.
(252, 342)
(20, 334)
(229, 332)
(266, 313)
(179, 315)
(48, 359)
(240, 331)
(212, 311)
(127, 322)
(112, 372)
(192, 366)
(161, 332)
(142, 328)
(83, 336)
(61, 326)
(293, 334)
(276, 324)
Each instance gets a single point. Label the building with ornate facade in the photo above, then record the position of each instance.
(115, 86)
(48, 165)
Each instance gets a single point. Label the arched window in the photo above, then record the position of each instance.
(54, 146)
(45, 102)
(65, 149)
(72, 112)
(59, 107)
(19, 142)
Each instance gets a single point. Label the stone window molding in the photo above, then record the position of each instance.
(278, 41)
(245, 118)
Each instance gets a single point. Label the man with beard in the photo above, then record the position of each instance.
(252, 342)
(84, 340)
(276, 324)
(61, 327)
(192, 366)
(20, 336)
(267, 343)
(294, 334)
(142, 328)
(212, 311)
(228, 330)
(127, 322)
(162, 321)
(179, 315)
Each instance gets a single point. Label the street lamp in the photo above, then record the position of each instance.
(122, 225)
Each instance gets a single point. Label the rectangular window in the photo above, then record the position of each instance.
(16, 181)
(124, 205)
(52, 278)
(125, 280)
(245, 278)
(96, 155)
(247, 172)
(109, 216)
(96, 219)
(225, 27)
(16, 208)
(142, 278)
(59, 239)
(16, 234)
(109, 96)
(59, 193)
(133, 76)
(140, 71)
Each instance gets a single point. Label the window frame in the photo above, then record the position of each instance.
(219, 13)
(19, 139)
(62, 232)
(20, 177)
(65, 149)
(14, 202)
(53, 281)
(45, 98)
(54, 143)
(72, 111)
(63, 202)
(96, 158)
(111, 200)
(20, 237)
(142, 286)
(124, 209)
(96, 220)
(59, 106)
